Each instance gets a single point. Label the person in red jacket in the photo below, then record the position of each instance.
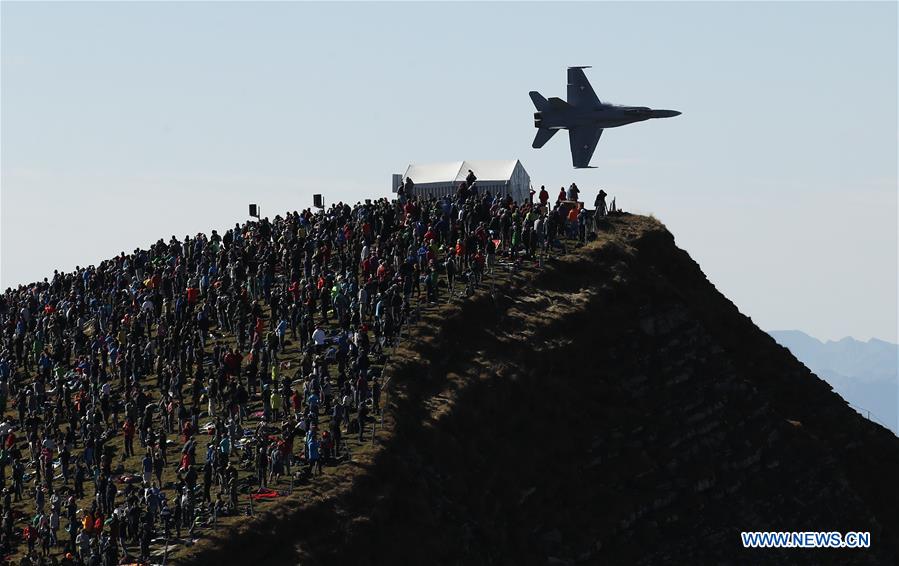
(296, 402)
(477, 265)
(30, 536)
(98, 524)
(383, 272)
(460, 253)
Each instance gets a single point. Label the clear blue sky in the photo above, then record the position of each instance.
(122, 123)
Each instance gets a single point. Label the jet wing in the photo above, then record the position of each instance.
(583, 142)
(543, 135)
(580, 93)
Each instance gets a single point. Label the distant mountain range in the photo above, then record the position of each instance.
(863, 373)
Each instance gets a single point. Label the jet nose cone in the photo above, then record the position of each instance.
(665, 113)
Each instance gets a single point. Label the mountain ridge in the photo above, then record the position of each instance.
(656, 437)
(865, 373)
(871, 340)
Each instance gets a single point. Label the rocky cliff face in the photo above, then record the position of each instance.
(612, 408)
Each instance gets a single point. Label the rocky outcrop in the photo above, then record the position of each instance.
(612, 408)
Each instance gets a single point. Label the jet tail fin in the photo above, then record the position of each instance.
(543, 136)
(538, 100)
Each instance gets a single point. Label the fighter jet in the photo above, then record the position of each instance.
(584, 116)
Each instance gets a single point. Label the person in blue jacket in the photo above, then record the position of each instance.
(313, 453)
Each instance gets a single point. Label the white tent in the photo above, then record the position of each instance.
(498, 177)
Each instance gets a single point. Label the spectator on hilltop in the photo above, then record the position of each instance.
(543, 196)
(600, 204)
(251, 339)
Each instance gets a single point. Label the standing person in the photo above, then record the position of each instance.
(147, 467)
(80, 473)
(275, 401)
(572, 222)
(276, 462)
(450, 272)
(165, 517)
(64, 457)
(261, 465)
(177, 516)
(18, 478)
(281, 331)
(361, 415)
(163, 448)
(490, 253)
(600, 204)
(313, 453)
(128, 429)
(54, 525)
(562, 196)
(319, 337)
(336, 418)
(146, 535)
(158, 467)
(543, 196)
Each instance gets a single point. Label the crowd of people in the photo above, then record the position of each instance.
(160, 390)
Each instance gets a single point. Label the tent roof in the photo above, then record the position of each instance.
(422, 173)
(456, 171)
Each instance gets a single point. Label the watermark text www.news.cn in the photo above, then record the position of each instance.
(809, 539)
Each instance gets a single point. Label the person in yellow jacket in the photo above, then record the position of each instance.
(87, 523)
(276, 402)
